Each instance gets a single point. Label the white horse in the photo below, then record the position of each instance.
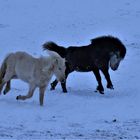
(37, 72)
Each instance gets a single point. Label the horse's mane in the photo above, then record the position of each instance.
(109, 41)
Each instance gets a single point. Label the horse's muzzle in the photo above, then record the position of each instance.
(114, 68)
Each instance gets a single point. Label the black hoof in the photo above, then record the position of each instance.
(17, 97)
(101, 92)
(65, 91)
(100, 89)
(52, 87)
(4, 92)
(110, 86)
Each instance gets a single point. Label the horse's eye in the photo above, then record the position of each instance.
(60, 69)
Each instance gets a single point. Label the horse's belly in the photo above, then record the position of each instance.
(83, 69)
(24, 74)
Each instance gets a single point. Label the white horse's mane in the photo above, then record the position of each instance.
(52, 53)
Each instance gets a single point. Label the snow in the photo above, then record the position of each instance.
(81, 113)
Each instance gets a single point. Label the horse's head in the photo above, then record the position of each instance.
(115, 59)
(59, 66)
(59, 69)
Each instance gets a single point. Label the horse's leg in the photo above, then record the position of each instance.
(1, 82)
(29, 95)
(7, 77)
(8, 85)
(7, 88)
(1, 85)
(53, 84)
(107, 76)
(63, 84)
(41, 94)
(98, 78)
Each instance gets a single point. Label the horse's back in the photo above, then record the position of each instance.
(21, 64)
(23, 56)
(81, 58)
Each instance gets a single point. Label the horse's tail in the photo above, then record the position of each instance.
(54, 47)
(3, 68)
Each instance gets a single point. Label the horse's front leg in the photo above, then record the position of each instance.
(107, 76)
(41, 94)
(29, 95)
(98, 78)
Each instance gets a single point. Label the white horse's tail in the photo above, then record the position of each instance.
(3, 67)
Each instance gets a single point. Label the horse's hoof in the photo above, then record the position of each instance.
(52, 88)
(17, 97)
(101, 92)
(65, 91)
(5, 92)
(100, 89)
(110, 86)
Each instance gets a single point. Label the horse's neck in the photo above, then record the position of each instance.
(48, 63)
(44, 60)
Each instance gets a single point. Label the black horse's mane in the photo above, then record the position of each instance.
(111, 41)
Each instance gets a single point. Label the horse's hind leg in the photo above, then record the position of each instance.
(7, 88)
(54, 84)
(98, 78)
(1, 86)
(7, 77)
(29, 95)
(107, 76)
(63, 84)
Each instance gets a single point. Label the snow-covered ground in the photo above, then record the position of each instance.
(81, 113)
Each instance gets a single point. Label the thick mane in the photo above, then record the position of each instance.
(110, 41)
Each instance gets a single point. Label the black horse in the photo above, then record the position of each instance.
(103, 52)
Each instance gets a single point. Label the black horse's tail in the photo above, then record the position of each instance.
(54, 47)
